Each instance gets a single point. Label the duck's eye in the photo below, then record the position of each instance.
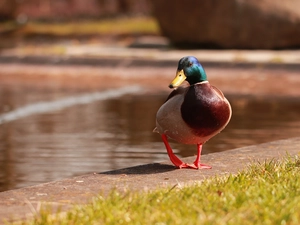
(190, 64)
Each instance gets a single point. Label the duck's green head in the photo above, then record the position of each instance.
(189, 69)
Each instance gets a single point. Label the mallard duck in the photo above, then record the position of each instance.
(192, 114)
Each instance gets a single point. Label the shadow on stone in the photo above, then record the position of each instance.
(144, 169)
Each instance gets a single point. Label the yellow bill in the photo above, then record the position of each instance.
(180, 77)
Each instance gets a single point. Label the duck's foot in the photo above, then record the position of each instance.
(191, 166)
(181, 166)
(199, 166)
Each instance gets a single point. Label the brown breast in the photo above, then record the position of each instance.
(205, 109)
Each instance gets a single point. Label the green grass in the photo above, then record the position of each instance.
(8, 26)
(120, 26)
(266, 193)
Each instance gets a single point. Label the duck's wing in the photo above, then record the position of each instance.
(181, 90)
(171, 95)
(218, 92)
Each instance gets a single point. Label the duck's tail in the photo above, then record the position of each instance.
(155, 130)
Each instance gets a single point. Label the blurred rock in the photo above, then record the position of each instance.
(71, 9)
(7, 9)
(266, 24)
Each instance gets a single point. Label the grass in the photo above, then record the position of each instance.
(266, 193)
(113, 29)
(118, 26)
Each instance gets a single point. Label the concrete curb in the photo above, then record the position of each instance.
(25, 202)
(136, 63)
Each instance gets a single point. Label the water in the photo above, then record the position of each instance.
(112, 132)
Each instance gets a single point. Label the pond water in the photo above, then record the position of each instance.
(115, 132)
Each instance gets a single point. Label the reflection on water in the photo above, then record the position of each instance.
(116, 133)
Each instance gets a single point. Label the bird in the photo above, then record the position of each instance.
(194, 111)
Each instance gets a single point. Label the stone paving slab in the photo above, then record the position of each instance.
(24, 202)
(111, 52)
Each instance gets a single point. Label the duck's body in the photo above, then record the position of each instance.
(192, 114)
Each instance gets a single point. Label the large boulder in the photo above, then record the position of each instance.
(266, 24)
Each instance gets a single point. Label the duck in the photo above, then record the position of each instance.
(194, 111)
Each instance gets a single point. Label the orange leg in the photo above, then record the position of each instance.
(174, 159)
(197, 164)
(178, 163)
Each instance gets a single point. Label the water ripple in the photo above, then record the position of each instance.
(50, 106)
